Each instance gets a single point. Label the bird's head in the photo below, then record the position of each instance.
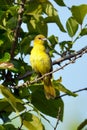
(39, 39)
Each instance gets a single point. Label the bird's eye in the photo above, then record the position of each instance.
(39, 38)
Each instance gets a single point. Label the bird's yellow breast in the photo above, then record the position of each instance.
(40, 60)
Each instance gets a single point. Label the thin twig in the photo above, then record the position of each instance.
(58, 118)
(63, 95)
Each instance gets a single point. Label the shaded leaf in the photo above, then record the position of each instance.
(53, 40)
(10, 127)
(60, 2)
(5, 4)
(12, 23)
(42, 27)
(72, 26)
(79, 12)
(25, 45)
(4, 105)
(5, 110)
(66, 45)
(83, 32)
(48, 107)
(32, 122)
(24, 93)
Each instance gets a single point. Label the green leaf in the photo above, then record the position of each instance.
(42, 26)
(32, 122)
(6, 57)
(72, 26)
(12, 23)
(66, 45)
(10, 127)
(60, 2)
(53, 40)
(49, 9)
(83, 32)
(1, 42)
(60, 87)
(15, 103)
(24, 93)
(48, 107)
(25, 45)
(55, 19)
(33, 8)
(5, 4)
(52, 15)
(4, 105)
(5, 109)
(2, 127)
(79, 12)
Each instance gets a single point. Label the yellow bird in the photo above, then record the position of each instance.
(42, 64)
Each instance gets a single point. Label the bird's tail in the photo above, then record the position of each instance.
(49, 89)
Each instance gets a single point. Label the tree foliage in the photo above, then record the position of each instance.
(27, 101)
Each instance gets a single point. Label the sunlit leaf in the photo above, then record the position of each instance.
(15, 103)
(2, 127)
(1, 42)
(72, 26)
(32, 122)
(52, 15)
(33, 8)
(60, 87)
(48, 107)
(79, 12)
(6, 57)
(7, 65)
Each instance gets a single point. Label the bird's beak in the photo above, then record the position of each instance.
(45, 39)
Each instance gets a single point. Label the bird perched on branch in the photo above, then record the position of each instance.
(41, 63)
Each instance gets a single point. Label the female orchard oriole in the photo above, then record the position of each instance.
(41, 63)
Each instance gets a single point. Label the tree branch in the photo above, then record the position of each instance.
(71, 58)
(68, 57)
(17, 30)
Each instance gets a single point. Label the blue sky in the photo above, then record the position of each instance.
(74, 76)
